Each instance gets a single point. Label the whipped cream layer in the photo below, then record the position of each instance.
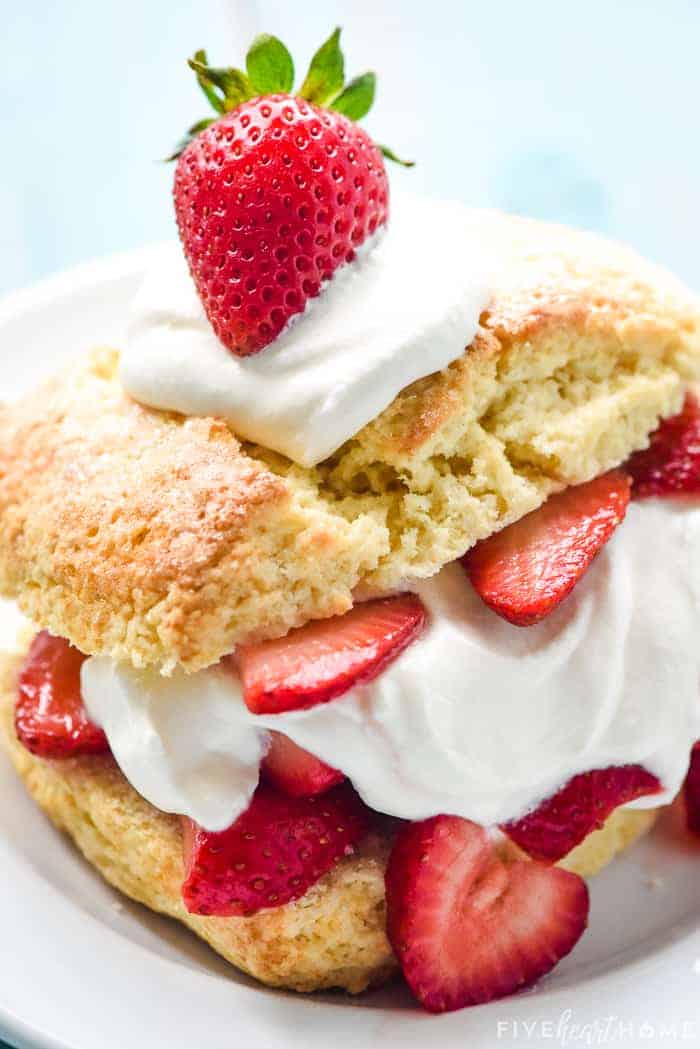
(406, 307)
(477, 718)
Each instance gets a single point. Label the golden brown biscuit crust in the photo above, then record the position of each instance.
(148, 535)
(333, 937)
(151, 538)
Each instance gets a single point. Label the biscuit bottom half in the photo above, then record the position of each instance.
(334, 936)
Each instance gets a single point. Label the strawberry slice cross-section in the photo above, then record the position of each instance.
(525, 571)
(583, 804)
(273, 853)
(323, 659)
(50, 719)
(468, 928)
(671, 463)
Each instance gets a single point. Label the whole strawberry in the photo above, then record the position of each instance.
(279, 191)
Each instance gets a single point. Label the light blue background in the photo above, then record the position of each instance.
(581, 112)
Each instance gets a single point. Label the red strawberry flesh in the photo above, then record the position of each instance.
(467, 928)
(691, 791)
(323, 659)
(270, 201)
(50, 718)
(525, 571)
(273, 853)
(295, 771)
(561, 822)
(671, 463)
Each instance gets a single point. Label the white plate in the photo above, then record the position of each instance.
(83, 968)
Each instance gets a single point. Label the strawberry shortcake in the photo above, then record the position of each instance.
(365, 576)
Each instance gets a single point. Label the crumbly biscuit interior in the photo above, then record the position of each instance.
(518, 425)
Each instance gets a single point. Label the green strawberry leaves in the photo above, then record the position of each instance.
(197, 63)
(390, 155)
(270, 70)
(326, 74)
(355, 101)
(225, 88)
(269, 65)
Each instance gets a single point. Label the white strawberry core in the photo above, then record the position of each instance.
(477, 718)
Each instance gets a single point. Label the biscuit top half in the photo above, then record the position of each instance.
(165, 540)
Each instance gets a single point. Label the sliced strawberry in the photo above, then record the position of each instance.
(295, 771)
(273, 853)
(526, 570)
(557, 826)
(468, 928)
(50, 719)
(691, 791)
(671, 463)
(322, 660)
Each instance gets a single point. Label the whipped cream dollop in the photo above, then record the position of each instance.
(477, 718)
(406, 307)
